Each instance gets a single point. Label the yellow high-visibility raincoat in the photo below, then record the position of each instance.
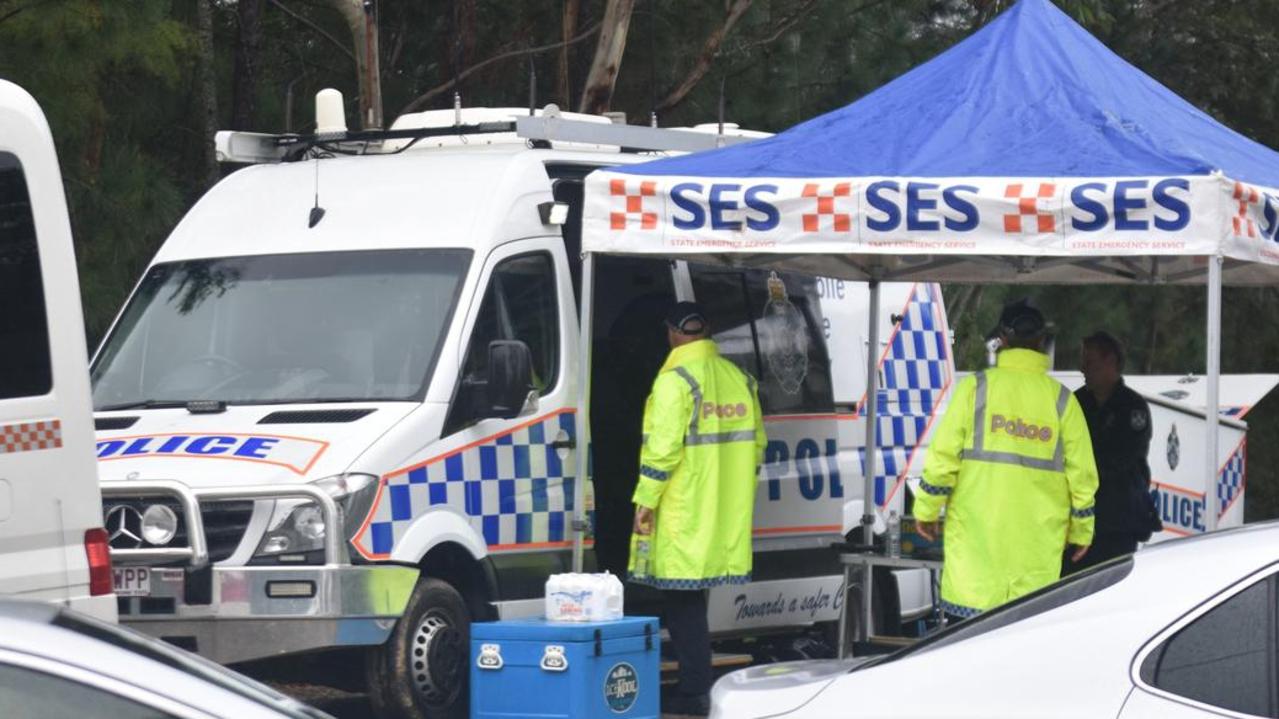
(1012, 463)
(703, 443)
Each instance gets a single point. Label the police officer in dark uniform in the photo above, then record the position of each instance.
(1119, 424)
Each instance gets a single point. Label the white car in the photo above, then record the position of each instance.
(56, 663)
(1183, 629)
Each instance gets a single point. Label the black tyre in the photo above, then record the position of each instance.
(422, 671)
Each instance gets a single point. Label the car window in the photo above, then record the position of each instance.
(1224, 658)
(1066, 591)
(25, 369)
(521, 303)
(722, 295)
(35, 695)
(183, 661)
(770, 324)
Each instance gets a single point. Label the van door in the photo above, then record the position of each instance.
(514, 476)
(629, 346)
(49, 496)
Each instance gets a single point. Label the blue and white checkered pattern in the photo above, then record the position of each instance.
(513, 487)
(916, 371)
(1230, 481)
(959, 610)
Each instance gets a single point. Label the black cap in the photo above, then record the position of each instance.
(687, 318)
(1022, 320)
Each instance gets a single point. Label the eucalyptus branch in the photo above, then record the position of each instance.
(311, 24)
(420, 101)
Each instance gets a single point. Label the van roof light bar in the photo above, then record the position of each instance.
(631, 138)
(258, 148)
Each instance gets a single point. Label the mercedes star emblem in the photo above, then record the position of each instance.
(124, 527)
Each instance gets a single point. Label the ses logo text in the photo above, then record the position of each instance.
(892, 206)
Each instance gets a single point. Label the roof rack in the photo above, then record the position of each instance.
(256, 148)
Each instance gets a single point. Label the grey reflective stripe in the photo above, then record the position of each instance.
(979, 412)
(1059, 454)
(654, 473)
(979, 452)
(744, 435)
(695, 437)
(696, 389)
(1084, 513)
(1051, 465)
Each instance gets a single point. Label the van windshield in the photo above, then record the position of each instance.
(320, 327)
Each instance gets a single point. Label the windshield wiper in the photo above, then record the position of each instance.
(195, 406)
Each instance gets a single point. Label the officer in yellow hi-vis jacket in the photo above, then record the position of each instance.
(703, 442)
(1012, 463)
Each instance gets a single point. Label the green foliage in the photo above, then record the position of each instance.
(104, 73)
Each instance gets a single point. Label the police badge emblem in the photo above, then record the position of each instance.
(783, 338)
(1174, 449)
(1138, 420)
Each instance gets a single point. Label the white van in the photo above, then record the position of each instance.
(354, 374)
(52, 544)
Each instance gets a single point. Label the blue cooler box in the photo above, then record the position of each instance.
(536, 668)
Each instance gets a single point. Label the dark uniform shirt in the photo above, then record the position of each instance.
(1120, 432)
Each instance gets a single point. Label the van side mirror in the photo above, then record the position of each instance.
(510, 379)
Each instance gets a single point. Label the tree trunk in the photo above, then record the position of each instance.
(362, 20)
(458, 47)
(710, 49)
(248, 54)
(207, 94)
(467, 31)
(572, 9)
(597, 93)
(1152, 336)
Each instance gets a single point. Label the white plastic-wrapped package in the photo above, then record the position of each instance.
(583, 597)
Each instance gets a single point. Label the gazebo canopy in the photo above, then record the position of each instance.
(1028, 152)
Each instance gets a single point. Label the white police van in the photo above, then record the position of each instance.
(52, 544)
(339, 406)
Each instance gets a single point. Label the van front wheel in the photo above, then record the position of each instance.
(422, 671)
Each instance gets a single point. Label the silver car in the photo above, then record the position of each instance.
(1187, 629)
(55, 663)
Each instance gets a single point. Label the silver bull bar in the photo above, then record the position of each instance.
(239, 618)
(196, 553)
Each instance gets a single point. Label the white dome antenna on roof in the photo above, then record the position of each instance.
(330, 113)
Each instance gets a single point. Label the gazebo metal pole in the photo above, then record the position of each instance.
(583, 415)
(1212, 410)
(870, 450)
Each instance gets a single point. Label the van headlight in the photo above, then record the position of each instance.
(159, 525)
(297, 526)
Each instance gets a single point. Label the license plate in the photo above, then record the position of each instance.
(132, 581)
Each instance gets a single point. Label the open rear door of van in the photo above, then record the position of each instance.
(52, 542)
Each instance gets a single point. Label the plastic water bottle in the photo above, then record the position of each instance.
(606, 604)
(894, 534)
(642, 551)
